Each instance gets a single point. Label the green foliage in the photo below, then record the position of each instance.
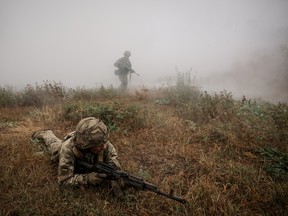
(217, 106)
(277, 162)
(162, 101)
(7, 124)
(208, 107)
(9, 97)
(257, 123)
(44, 94)
(113, 114)
(34, 95)
(279, 115)
(93, 93)
(50, 93)
(269, 122)
(184, 92)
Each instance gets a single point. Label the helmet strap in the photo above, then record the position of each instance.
(77, 153)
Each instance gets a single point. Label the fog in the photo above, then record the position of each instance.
(237, 45)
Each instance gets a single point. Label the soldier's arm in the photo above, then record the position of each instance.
(112, 156)
(128, 66)
(123, 63)
(66, 169)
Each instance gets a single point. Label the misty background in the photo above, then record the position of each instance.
(237, 45)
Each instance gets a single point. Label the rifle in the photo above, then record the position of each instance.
(134, 73)
(129, 179)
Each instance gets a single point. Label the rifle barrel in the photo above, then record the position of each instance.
(179, 199)
(129, 179)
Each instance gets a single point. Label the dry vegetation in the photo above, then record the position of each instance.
(226, 157)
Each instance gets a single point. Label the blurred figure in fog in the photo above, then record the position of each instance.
(124, 67)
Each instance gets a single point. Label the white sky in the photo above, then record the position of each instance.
(77, 42)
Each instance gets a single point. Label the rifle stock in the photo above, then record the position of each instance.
(129, 179)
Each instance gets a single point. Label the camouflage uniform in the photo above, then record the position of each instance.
(124, 67)
(67, 152)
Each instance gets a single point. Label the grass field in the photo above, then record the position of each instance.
(224, 156)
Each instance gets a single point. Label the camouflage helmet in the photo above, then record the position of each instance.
(127, 53)
(90, 132)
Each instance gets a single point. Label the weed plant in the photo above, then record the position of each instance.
(185, 91)
(9, 97)
(113, 114)
(47, 93)
(90, 94)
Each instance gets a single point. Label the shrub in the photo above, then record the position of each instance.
(113, 114)
(279, 114)
(44, 94)
(248, 122)
(276, 162)
(184, 92)
(88, 94)
(9, 97)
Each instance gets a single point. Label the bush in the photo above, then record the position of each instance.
(9, 97)
(44, 94)
(248, 122)
(85, 94)
(113, 114)
(276, 162)
(184, 92)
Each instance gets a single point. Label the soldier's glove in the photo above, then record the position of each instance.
(96, 178)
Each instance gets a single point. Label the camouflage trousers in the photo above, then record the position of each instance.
(53, 145)
(124, 81)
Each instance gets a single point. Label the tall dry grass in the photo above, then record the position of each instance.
(206, 150)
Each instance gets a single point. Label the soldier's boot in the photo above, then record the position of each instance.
(50, 141)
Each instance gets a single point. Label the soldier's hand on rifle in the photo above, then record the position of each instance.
(133, 71)
(96, 178)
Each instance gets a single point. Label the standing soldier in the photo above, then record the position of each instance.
(124, 67)
(89, 142)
